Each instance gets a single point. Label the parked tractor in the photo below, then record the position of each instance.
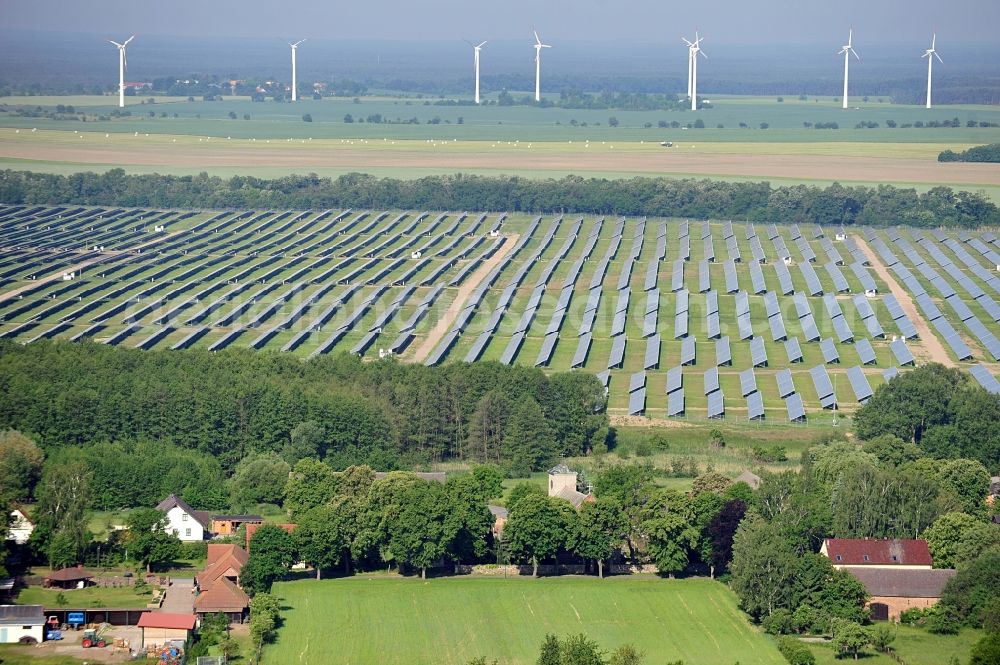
(93, 638)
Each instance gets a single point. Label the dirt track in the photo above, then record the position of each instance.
(928, 347)
(445, 158)
(443, 325)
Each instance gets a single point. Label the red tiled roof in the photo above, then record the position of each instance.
(223, 596)
(166, 620)
(863, 552)
(74, 574)
(222, 560)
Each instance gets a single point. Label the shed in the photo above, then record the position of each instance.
(69, 578)
(224, 525)
(750, 478)
(24, 624)
(158, 628)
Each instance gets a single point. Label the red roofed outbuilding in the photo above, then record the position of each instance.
(894, 553)
(159, 628)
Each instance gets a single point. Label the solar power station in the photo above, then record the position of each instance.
(744, 322)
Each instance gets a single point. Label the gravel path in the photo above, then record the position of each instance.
(928, 347)
(443, 325)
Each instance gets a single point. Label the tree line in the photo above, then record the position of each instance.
(979, 153)
(881, 205)
(238, 403)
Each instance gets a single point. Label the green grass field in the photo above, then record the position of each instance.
(89, 597)
(914, 646)
(450, 621)
(416, 137)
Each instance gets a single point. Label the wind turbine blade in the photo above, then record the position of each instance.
(124, 59)
(482, 44)
(128, 40)
(111, 41)
(855, 54)
(537, 40)
(926, 54)
(933, 40)
(705, 55)
(938, 57)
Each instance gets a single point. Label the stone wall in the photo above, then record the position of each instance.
(897, 604)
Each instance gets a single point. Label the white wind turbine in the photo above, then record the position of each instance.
(295, 81)
(694, 48)
(121, 69)
(538, 66)
(847, 51)
(930, 54)
(475, 49)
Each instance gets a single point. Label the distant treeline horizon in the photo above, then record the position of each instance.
(878, 205)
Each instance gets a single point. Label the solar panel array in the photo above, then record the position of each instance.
(364, 282)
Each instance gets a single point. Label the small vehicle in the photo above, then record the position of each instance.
(91, 639)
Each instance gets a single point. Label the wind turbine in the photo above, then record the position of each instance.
(476, 49)
(694, 48)
(847, 51)
(538, 66)
(121, 69)
(295, 82)
(930, 54)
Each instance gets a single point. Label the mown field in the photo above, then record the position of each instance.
(450, 621)
(415, 137)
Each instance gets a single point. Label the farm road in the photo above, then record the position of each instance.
(443, 325)
(928, 342)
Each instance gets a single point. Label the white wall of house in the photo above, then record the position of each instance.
(185, 526)
(13, 634)
(20, 528)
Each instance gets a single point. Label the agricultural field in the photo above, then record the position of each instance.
(416, 137)
(450, 621)
(679, 319)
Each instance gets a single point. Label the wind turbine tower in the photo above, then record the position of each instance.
(694, 49)
(122, 63)
(847, 50)
(930, 54)
(475, 50)
(295, 82)
(538, 66)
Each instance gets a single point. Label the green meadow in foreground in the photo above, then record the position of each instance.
(450, 621)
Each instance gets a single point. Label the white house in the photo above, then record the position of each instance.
(186, 523)
(22, 622)
(21, 526)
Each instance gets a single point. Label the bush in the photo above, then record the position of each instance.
(769, 454)
(912, 617)
(195, 550)
(795, 652)
(778, 622)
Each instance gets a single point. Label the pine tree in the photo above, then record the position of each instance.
(528, 442)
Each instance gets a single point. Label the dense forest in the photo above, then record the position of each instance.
(883, 205)
(979, 153)
(236, 403)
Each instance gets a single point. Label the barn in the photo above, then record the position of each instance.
(893, 590)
